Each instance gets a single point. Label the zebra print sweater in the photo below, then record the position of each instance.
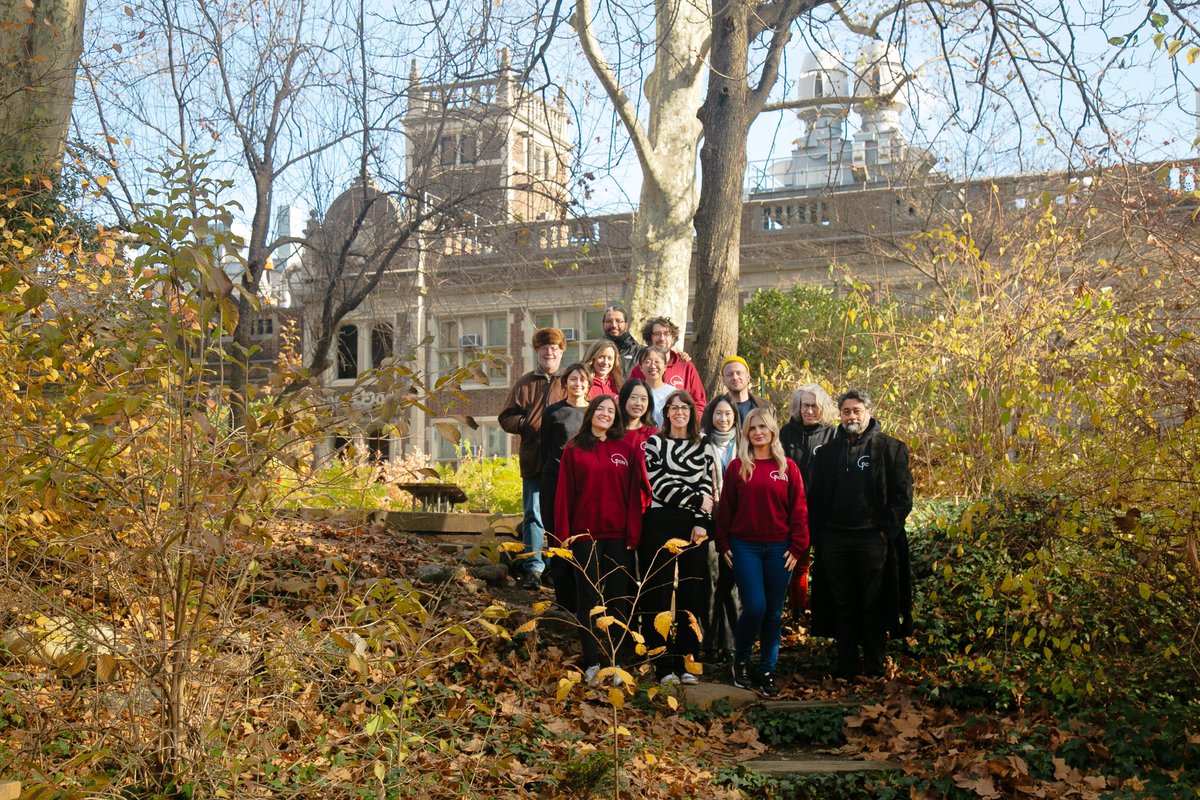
(680, 474)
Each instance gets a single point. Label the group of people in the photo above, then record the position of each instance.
(689, 522)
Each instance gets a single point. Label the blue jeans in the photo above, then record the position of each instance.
(762, 583)
(533, 535)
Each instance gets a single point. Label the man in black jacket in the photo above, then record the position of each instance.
(616, 330)
(859, 498)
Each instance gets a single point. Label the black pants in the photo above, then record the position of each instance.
(853, 564)
(723, 613)
(604, 576)
(692, 592)
(562, 571)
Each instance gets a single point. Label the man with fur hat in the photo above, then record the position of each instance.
(522, 416)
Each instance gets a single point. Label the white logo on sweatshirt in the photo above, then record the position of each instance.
(864, 462)
(619, 460)
(776, 475)
(677, 381)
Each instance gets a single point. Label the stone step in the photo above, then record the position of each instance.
(800, 706)
(781, 765)
(456, 522)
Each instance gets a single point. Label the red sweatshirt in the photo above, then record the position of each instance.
(639, 437)
(606, 386)
(602, 491)
(768, 508)
(681, 375)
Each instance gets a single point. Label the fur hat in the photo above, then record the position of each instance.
(545, 336)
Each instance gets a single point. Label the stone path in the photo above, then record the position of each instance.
(781, 764)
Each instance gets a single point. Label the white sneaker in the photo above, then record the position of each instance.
(670, 679)
(689, 679)
(589, 675)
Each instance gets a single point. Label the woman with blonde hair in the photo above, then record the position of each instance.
(762, 533)
(604, 360)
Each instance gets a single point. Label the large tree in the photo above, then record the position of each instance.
(40, 43)
(665, 142)
(1027, 59)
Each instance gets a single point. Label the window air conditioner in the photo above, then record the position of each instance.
(470, 340)
(571, 334)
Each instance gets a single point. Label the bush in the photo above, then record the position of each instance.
(1053, 616)
(492, 484)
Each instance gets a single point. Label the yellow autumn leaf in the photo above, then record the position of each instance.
(541, 606)
(694, 667)
(528, 627)
(616, 697)
(662, 623)
(356, 664)
(673, 702)
(106, 668)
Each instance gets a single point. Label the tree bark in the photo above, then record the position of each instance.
(730, 107)
(726, 116)
(661, 239)
(40, 45)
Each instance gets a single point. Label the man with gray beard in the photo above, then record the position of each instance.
(858, 500)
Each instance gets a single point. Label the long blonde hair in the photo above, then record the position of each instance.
(746, 450)
(598, 347)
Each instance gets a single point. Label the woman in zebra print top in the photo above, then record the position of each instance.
(680, 469)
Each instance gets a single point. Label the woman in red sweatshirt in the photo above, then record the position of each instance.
(762, 533)
(602, 492)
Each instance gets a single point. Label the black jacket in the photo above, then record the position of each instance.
(800, 443)
(890, 499)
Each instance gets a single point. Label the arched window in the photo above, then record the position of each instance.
(381, 343)
(347, 352)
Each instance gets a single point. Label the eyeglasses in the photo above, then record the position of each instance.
(673, 409)
(810, 407)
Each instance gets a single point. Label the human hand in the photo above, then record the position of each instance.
(729, 558)
(790, 560)
(699, 535)
(706, 504)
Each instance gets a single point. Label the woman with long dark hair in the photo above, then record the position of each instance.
(653, 363)
(719, 426)
(681, 501)
(560, 423)
(762, 533)
(598, 507)
(636, 411)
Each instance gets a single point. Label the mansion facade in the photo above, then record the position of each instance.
(512, 259)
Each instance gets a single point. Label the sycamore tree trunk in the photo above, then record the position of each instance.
(40, 45)
(730, 107)
(661, 239)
